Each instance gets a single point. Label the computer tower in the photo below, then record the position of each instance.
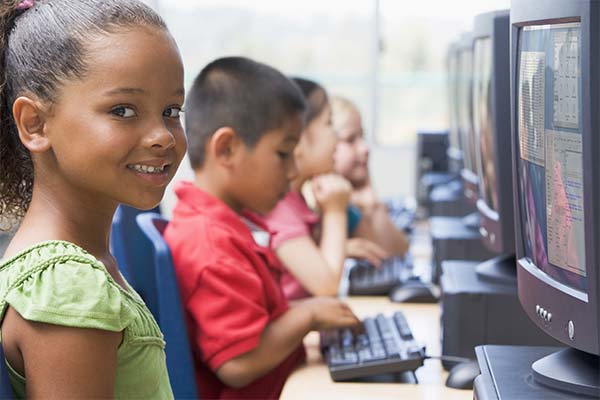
(506, 374)
(448, 200)
(452, 239)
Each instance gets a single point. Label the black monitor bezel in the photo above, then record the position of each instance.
(454, 153)
(452, 118)
(497, 226)
(536, 289)
(469, 177)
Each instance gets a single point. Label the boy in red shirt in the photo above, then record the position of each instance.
(243, 120)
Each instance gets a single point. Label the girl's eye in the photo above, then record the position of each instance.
(172, 112)
(123, 112)
(283, 155)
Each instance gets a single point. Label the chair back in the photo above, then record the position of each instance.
(133, 253)
(5, 388)
(169, 313)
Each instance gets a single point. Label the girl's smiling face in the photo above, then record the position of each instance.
(352, 152)
(115, 134)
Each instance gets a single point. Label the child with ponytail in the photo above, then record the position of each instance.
(90, 96)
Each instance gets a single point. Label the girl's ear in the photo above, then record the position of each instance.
(224, 145)
(29, 117)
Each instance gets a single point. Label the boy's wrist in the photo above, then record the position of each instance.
(310, 314)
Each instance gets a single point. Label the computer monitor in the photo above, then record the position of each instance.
(491, 126)
(465, 114)
(555, 94)
(455, 157)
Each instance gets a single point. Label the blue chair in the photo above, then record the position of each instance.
(5, 388)
(133, 253)
(169, 315)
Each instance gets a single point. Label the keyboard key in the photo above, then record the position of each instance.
(415, 351)
(351, 357)
(384, 327)
(347, 339)
(403, 326)
(371, 329)
(361, 341)
(339, 361)
(378, 351)
(391, 348)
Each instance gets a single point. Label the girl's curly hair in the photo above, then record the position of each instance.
(41, 48)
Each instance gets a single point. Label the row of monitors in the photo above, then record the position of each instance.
(524, 92)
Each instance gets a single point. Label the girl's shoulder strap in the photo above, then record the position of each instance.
(59, 283)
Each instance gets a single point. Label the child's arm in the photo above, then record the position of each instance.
(319, 268)
(282, 336)
(376, 224)
(359, 247)
(61, 362)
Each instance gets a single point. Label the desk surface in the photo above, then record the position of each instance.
(424, 320)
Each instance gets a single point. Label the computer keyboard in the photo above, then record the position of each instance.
(404, 220)
(367, 280)
(402, 213)
(386, 346)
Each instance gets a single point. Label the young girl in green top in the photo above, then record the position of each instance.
(89, 103)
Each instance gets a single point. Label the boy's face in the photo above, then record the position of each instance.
(263, 172)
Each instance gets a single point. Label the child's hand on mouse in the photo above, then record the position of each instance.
(332, 192)
(329, 313)
(367, 250)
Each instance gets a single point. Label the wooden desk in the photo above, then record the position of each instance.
(313, 381)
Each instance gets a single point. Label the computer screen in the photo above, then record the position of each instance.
(555, 123)
(550, 163)
(482, 120)
(464, 103)
(452, 96)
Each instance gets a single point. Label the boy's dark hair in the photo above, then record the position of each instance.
(315, 95)
(250, 97)
(41, 48)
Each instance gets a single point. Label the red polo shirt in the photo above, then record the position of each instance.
(230, 290)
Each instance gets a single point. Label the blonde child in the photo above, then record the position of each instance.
(352, 162)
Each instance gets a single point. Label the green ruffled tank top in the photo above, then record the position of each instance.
(59, 283)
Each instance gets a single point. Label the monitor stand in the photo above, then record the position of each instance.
(451, 239)
(500, 270)
(506, 373)
(478, 311)
(570, 370)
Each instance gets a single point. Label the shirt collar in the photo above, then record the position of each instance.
(201, 202)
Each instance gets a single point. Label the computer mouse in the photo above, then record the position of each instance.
(415, 292)
(462, 375)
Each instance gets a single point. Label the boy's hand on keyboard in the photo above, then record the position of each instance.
(367, 250)
(332, 192)
(330, 313)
